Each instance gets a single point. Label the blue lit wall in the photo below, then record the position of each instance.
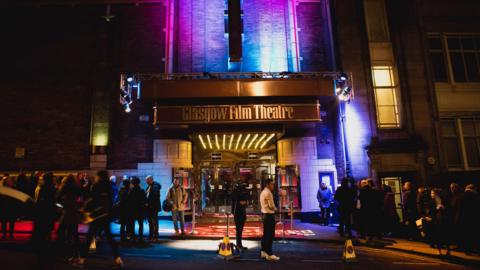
(265, 35)
(201, 42)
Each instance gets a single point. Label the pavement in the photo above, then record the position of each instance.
(188, 254)
(298, 232)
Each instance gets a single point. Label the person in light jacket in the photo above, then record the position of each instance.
(324, 198)
(177, 196)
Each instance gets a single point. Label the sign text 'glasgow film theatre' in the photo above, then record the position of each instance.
(237, 113)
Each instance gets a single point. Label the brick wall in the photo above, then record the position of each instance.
(54, 60)
(314, 37)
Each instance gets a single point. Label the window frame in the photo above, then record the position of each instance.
(394, 87)
(460, 136)
(446, 53)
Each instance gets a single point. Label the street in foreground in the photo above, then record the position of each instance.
(200, 254)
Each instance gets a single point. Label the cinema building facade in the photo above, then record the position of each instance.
(301, 91)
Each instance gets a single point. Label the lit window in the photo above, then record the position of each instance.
(385, 97)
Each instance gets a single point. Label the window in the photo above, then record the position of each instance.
(460, 51)
(461, 142)
(451, 146)
(471, 138)
(437, 58)
(385, 97)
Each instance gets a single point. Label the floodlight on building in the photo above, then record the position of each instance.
(238, 141)
(202, 142)
(268, 139)
(127, 107)
(343, 77)
(253, 140)
(260, 140)
(216, 142)
(245, 141)
(209, 141)
(231, 140)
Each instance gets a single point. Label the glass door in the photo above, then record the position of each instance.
(216, 184)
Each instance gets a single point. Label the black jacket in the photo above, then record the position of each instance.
(345, 197)
(136, 202)
(240, 193)
(153, 197)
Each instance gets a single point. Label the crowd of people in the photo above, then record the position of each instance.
(70, 201)
(445, 218)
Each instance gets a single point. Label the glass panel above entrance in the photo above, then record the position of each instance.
(235, 141)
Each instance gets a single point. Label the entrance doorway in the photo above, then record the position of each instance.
(224, 160)
(218, 181)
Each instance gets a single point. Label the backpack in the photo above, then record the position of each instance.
(167, 205)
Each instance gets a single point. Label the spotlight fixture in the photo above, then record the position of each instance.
(127, 108)
(343, 77)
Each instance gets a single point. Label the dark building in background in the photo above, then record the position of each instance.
(273, 101)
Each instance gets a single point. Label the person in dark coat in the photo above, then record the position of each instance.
(439, 220)
(345, 196)
(468, 221)
(43, 218)
(102, 202)
(409, 207)
(367, 209)
(123, 210)
(240, 199)
(23, 184)
(454, 198)
(137, 201)
(45, 209)
(67, 231)
(390, 215)
(9, 209)
(153, 207)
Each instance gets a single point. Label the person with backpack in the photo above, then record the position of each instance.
(177, 197)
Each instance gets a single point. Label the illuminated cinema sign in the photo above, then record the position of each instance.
(236, 113)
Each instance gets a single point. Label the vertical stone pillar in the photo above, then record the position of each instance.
(101, 94)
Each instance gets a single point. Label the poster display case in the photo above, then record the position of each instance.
(186, 180)
(288, 182)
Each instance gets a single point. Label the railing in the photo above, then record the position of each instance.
(238, 75)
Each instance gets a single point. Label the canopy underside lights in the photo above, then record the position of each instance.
(235, 142)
